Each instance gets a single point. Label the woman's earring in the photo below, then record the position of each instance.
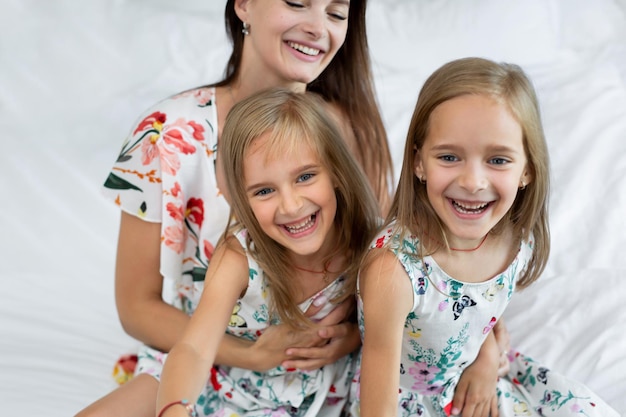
(522, 185)
(246, 29)
(422, 179)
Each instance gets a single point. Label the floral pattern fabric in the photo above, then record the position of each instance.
(443, 335)
(165, 173)
(278, 392)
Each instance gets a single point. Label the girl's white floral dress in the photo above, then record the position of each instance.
(279, 391)
(443, 335)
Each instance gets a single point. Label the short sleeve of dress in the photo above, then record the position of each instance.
(165, 173)
(156, 146)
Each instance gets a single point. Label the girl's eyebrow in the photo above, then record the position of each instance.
(295, 172)
(256, 186)
(495, 148)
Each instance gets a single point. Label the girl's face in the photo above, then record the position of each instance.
(292, 40)
(292, 197)
(473, 162)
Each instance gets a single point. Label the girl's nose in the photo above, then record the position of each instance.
(290, 202)
(473, 179)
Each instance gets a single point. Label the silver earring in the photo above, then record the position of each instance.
(422, 179)
(522, 185)
(246, 29)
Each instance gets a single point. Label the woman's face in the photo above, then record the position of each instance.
(291, 41)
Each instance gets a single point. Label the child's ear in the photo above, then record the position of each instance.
(418, 166)
(525, 179)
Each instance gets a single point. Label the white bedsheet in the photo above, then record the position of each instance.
(75, 75)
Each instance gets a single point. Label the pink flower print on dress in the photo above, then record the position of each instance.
(442, 286)
(175, 211)
(488, 327)
(204, 96)
(174, 143)
(208, 249)
(423, 375)
(174, 238)
(170, 162)
(175, 191)
(149, 149)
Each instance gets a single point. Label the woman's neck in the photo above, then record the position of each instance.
(251, 82)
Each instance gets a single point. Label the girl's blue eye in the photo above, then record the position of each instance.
(305, 177)
(448, 158)
(263, 192)
(498, 161)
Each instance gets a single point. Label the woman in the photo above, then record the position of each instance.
(168, 178)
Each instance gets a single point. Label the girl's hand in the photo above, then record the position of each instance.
(475, 394)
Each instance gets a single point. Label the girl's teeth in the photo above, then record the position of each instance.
(470, 209)
(298, 228)
(304, 49)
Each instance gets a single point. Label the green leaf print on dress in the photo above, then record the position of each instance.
(428, 370)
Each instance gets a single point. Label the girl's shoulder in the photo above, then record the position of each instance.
(396, 239)
(240, 233)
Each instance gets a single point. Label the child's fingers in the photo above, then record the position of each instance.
(458, 401)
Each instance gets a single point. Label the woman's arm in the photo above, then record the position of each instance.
(189, 362)
(387, 299)
(503, 338)
(145, 316)
(139, 285)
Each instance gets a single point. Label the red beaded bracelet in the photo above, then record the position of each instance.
(191, 410)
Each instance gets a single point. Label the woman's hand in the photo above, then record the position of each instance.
(503, 339)
(338, 337)
(326, 342)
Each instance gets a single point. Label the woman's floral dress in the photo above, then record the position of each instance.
(443, 335)
(279, 391)
(165, 173)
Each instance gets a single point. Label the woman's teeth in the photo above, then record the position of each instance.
(304, 49)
